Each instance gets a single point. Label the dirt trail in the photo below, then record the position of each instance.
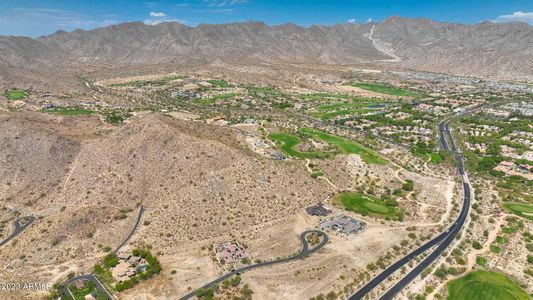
(383, 47)
(308, 161)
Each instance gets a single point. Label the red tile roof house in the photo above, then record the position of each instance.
(230, 252)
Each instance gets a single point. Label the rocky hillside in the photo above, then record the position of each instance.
(485, 49)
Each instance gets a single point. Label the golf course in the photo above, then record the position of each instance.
(521, 209)
(345, 145)
(383, 89)
(286, 142)
(16, 94)
(366, 204)
(485, 285)
(356, 106)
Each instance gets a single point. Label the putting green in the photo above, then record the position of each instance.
(377, 208)
(485, 285)
(521, 209)
(365, 204)
(15, 94)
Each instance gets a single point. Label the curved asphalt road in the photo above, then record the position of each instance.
(443, 240)
(20, 224)
(303, 253)
(135, 226)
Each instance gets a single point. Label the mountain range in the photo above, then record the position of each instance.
(485, 49)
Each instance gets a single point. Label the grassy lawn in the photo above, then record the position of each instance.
(485, 285)
(287, 142)
(345, 145)
(383, 89)
(15, 94)
(521, 209)
(366, 204)
(69, 111)
(322, 96)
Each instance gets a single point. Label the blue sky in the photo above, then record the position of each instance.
(35, 18)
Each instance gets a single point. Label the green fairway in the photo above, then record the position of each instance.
(69, 111)
(15, 94)
(355, 107)
(521, 209)
(345, 145)
(287, 142)
(366, 204)
(485, 285)
(323, 96)
(383, 89)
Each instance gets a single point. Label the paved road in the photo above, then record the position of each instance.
(20, 224)
(442, 241)
(303, 253)
(135, 226)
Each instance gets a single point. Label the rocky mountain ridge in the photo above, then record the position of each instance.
(484, 49)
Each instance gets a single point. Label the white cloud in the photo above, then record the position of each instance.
(351, 20)
(158, 21)
(517, 16)
(369, 20)
(157, 14)
(161, 17)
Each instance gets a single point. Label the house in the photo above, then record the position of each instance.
(318, 210)
(89, 297)
(343, 224)
(80, 284)
(507, 164)
(124, 256)
(230, 252)
(134, 260)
